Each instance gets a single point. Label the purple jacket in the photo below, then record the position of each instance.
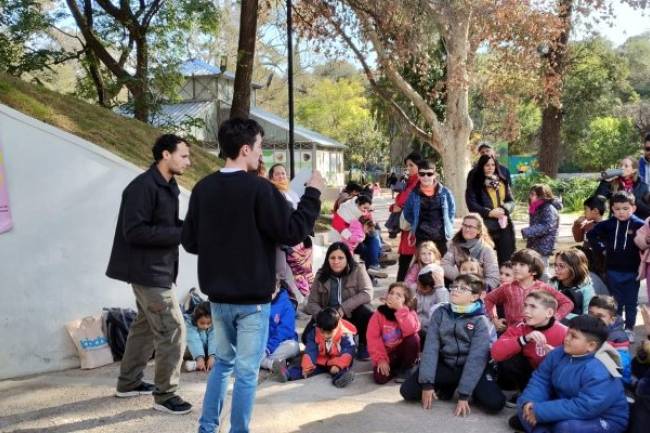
(542, 231)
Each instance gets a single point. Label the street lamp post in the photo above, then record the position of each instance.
(290, 83)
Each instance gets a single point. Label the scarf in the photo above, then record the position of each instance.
(282, 186)
(496, 191)
(532, 208)
(627, 183)
(427, 190)
(466, 309)
(473, 246)
(492, 182)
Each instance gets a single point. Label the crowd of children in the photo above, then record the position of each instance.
(468, 326)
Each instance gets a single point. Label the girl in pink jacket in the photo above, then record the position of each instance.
(642, 240)
(392, 336)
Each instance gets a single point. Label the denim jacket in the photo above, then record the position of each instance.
(411, 209)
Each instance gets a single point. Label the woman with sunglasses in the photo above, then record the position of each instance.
(489, 195)
(430, 209)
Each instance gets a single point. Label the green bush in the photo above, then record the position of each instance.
(574, 191)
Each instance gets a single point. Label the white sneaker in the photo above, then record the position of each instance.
(189, 365)
(630, 335)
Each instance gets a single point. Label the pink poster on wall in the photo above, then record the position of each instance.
(5, 214)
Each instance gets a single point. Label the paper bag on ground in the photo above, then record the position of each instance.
(90, 341)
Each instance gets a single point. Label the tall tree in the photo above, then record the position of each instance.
(550, 131)
(241, 99)
(122, 36)
(399, 33)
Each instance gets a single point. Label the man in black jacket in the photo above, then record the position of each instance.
(145, 255)
(234, 223)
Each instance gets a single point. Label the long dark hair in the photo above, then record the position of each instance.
(326, 272)
(479, 175)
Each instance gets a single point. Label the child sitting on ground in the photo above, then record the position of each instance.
(393, 341)
(528, 267)
(604, 307)
(201, 342)
(615, 236)
(431, 291)
(577, 388)
(521, 349)
(282, 343)
(471, 266)
(505, 273)
(329, 349)
(426, 254)
(456, 354)
(347, 220)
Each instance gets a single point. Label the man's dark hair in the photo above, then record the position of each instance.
(531, 258)
(607, 303)
(235, 133)
(168, 142)
(592, 327)
(425, 164)
(363, 199)
(414, 157)
(327, 319)
(483, 145)
(647, 137)
(596, 202)
(622, 197)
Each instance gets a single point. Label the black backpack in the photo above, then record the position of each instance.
(117, 322)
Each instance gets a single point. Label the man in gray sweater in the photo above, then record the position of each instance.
(456, 353)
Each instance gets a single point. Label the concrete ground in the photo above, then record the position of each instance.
(82, 401)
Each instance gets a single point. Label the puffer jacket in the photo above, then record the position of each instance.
(458, 340)
(541, 233)
(356, 290)
(340, 354)
(282, 321)
(386, 330)
(585, 387)
(579, 294)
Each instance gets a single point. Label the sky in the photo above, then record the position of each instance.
(626, 22)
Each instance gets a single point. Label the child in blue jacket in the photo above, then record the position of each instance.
(577, 388)
(200, 339)
(283, 340)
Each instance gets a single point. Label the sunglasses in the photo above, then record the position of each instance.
(427, 173)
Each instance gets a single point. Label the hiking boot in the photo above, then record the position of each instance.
(344, 379)
(143, 389)
(174, 406)
(384, 263)
(515, 423)
(512, 401)
(375, 271)
(280, 370)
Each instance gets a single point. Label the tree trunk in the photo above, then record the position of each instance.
(241, 99)
(455, 161)
(94, 71)
(550, 140)
(550, 131)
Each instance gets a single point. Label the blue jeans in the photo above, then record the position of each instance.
(370, 249)
(241, 332)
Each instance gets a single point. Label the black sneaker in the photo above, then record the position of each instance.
(515, 423)
(344, 379)
(512, 401)
(143, 389)
(174, 406)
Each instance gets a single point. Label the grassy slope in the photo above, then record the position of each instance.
(127, 138)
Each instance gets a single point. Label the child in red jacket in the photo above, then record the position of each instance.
(329, 349)
(392, 336)
(523, 346)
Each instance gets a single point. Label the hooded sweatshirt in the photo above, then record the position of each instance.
(616, 238)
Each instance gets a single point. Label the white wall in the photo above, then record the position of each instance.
(64, 196)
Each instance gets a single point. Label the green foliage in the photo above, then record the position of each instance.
(339, 109)
(574, 191)
(637, 52)
(608, 139)
(24, 43)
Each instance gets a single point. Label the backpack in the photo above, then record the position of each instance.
(192, 299)
(117, 322)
